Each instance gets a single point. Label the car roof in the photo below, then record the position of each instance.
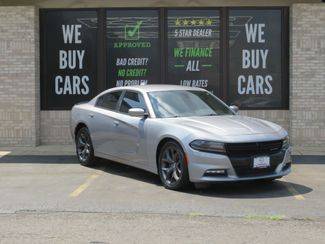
(156, 87)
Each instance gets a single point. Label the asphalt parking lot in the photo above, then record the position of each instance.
(51, 198)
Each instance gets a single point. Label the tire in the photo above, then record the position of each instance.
(172, 166)
(84, 147)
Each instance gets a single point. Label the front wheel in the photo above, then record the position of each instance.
(84, 147)
(172, 166)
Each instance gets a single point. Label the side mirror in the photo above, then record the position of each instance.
(137, 112)
(234, 108)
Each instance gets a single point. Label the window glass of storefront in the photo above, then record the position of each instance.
(68, 57)
(133, 47)
(193, 41)
(255, 58)
(239, 54)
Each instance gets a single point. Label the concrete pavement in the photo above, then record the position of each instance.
(77, 227)
(51, 198)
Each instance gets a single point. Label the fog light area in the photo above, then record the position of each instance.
(215, 172)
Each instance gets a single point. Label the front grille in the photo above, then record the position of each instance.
(242, 156)
(253, 148)
(243, 166)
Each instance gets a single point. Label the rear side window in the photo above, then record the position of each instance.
(109, 100)
(132, 100)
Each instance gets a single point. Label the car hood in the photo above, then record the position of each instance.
(228, 125)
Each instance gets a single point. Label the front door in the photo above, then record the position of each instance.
(130, 142)
(102, 126)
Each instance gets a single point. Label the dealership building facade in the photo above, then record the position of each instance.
(267, 57)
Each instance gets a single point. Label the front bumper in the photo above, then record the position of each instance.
(200, 162)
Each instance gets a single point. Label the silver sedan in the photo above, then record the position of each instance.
(183, 134)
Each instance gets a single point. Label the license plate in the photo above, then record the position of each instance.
(261, 162)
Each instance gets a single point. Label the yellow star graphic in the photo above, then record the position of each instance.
(185, 22)
(201, 22)
(208, 22)
(193, 22)
(177, 22)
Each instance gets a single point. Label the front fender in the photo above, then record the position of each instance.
(157, 132)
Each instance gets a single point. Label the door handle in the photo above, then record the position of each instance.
(116, 123)
(91, 115)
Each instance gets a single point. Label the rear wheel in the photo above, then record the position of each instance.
(84, 147)
(172, 166)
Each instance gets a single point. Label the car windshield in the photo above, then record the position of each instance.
(186, 103)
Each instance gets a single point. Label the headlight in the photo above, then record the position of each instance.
(208, 146)
(285, 142)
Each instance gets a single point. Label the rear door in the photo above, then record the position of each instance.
(130, 142)
(102, 127)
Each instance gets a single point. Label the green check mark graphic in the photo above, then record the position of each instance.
(132, 32)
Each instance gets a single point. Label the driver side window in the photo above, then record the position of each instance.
(132, 100)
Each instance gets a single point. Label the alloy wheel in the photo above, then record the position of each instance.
(172, 165)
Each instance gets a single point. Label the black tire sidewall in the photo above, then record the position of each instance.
(184, 181)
